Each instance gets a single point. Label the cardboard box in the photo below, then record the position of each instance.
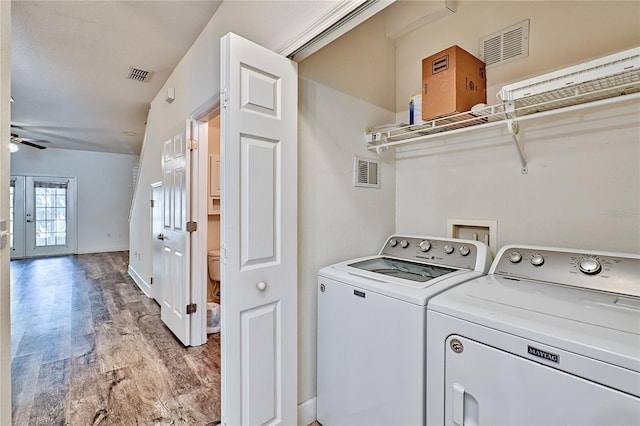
(453, 81)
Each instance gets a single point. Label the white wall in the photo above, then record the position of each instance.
(5, 282)
(583, 185)
(104, 188)
(341, 93)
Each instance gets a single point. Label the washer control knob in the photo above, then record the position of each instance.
(393, 242)
(537, 260)
(424, 245)
(515, 257)
(464, 250)
(448, 249)
(589, 265)
(404, 243)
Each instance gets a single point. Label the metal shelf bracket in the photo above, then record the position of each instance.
(513, 128)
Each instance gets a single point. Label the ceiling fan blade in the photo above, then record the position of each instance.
(35, 140)
(35, 145)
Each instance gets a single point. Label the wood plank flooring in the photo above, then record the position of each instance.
(89, 348)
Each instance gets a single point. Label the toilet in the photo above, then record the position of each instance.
(213, 266)
(213, 292)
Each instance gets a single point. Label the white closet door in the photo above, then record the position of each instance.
(259, 234)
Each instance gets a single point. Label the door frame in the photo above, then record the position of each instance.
(199, 249)
(27, 205)
(154, 288)
(18, 250)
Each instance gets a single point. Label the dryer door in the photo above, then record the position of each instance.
(488, 386)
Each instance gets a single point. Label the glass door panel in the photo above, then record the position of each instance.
(50, 216)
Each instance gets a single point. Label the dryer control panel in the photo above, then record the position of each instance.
(453, 252)
(605, 271)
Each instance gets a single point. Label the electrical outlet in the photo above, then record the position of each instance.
(485, 231)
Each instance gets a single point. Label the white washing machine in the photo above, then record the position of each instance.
(550, 337)
(372, 323)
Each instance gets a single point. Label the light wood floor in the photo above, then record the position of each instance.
(88, 348)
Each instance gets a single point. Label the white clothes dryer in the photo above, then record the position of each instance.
(372, 324)
(550, 337)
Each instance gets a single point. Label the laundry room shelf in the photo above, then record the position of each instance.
(605, 81)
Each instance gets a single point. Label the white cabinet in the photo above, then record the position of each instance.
(213, 198)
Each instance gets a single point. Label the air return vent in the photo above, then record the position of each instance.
(366, 172)
(506, 45)
(139, 74)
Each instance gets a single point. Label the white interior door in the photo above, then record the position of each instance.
(175, 276)
(259, 234)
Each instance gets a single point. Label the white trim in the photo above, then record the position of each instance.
(89, 250)
(140, 163)
(487, 223)
(320, 31)
(140, 282)
(307, 411)
(208, 110)
(198, 131)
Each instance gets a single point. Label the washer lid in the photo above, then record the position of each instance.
(403, 269)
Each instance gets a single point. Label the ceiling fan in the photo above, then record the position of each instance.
(35, 143)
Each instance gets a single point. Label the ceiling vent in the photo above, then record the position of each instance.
(506, 45)
(366, 172)
(139, 74)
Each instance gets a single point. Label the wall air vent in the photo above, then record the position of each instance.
(139, 74)
(506, 45)
(366, 172)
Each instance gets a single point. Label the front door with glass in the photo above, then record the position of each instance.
(43, 216)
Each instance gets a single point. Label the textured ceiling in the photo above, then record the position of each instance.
(70, 61)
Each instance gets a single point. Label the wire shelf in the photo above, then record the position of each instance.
(613, 79)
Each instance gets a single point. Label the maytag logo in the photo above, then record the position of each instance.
(543, 354)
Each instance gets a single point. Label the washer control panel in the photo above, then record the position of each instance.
(442, 251)
(612, 272)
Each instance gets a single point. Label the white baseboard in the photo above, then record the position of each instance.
(141, 283)
(307, 412)
(91, 250)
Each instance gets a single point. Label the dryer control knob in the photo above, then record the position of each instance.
(404, 243)
(424, 245)
(464, 250)
(515, 257)
(589, 265)
(448, 249)
(393, 242)
(537, 260)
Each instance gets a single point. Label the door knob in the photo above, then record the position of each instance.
(261, 285)
(161, 236)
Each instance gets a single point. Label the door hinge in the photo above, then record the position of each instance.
(153, 203)
(151, 281)
(224, 98)
(192, 144)
(192, 226)
(192, 308)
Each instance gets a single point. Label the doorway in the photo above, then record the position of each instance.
(42, 220)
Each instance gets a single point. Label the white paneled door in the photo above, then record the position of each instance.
(175, 237)
(259, 234)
